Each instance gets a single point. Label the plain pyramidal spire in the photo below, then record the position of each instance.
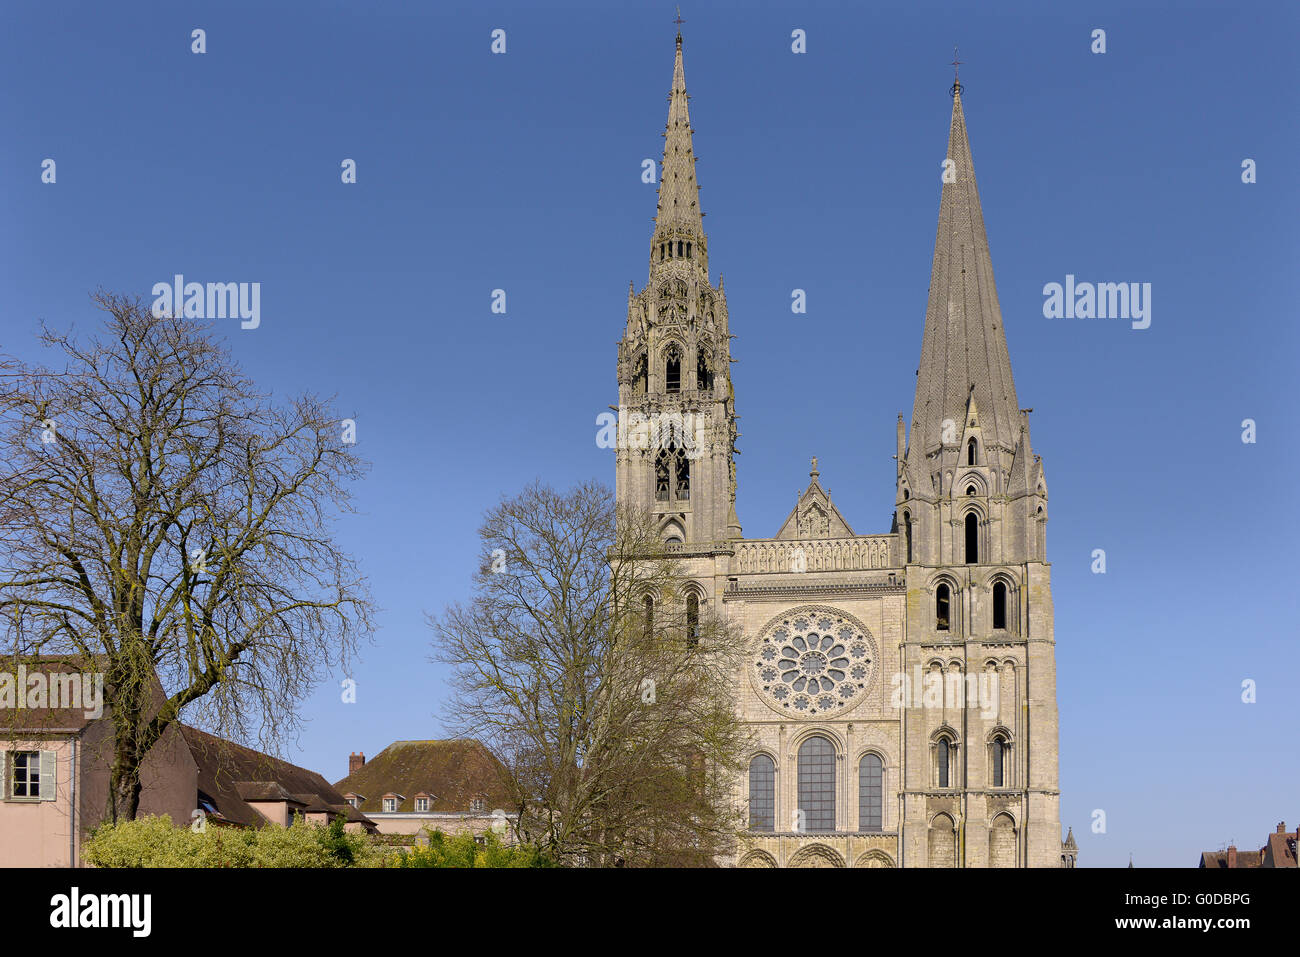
(964, 349)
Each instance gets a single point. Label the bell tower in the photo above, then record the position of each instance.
(677, 421)
(971, 514)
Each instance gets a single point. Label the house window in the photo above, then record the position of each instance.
(999, 762)
(762, 794)
(390, 804)
(1000, 605)
(972, 539)
(477, 805)
(942, 602)
(26, 777)
(871, 773)
(945, 761)
(907, 530)
(422, 804)
(649, 617)
(817, 784)
(354, 802)
(970, 452)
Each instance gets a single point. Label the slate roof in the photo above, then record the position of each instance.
(455, 772)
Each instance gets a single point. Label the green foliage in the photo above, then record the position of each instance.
(462, 850)
(154, 842)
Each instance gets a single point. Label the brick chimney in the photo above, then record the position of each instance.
(356, 761)
(1232, 855)
(1281, 827)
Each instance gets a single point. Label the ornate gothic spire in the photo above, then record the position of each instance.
(678, 218)
(964, 349)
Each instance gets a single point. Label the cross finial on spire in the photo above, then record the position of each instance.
(679, 21)
(956, 80)
(814, 473)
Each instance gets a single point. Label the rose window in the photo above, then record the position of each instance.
(813, 662)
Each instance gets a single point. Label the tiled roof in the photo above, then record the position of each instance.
(1280, 851)
(1214, 859)
(231, 775)
(455, 772)
(15, 720)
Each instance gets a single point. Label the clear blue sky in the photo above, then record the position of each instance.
(819, 171)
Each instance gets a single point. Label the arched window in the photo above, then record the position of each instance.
(972, 538)
(817, 784)
(673, 370)
(640, 376)
(945, 761)
(672, 475)
(692, 619)
(649, 615)
(999, 761)
(663, 476)
(871, 775)
(970, 452)
(688, 250)
(907, 531)
(762, 794)
(679, 249)
(703, 374)
(999, 605)
(942, 603)
(970, 489)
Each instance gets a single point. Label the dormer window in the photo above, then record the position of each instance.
(390, 804)
(422, 804)
(477, 805)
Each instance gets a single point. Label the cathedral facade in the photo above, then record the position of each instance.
(900, 687)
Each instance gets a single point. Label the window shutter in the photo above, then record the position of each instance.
(48, 761)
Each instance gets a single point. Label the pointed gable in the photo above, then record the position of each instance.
(815, 516)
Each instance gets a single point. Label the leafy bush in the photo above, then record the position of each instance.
(154, 842)
(462, 850)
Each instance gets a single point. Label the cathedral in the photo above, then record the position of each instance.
(900, 688)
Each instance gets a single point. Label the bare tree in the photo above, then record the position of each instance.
(615, 719)
(162, 518)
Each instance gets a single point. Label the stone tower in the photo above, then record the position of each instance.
(971, 509)
(676, 406)
(900, 688)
